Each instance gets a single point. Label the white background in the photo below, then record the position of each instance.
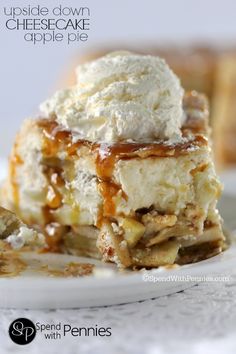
(29, 73)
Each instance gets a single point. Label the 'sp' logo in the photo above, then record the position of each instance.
(22, 331)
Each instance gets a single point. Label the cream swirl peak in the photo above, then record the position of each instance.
(121, 96)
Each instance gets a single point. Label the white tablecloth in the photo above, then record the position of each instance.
(201, 319)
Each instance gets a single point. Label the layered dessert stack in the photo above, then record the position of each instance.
(119, 167)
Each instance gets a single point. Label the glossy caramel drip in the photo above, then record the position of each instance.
(108, 155)
(54, 137)
(15, 162)
(108, 190)
(51, 231)
(54, 140)
(57, 140)
(55, 181)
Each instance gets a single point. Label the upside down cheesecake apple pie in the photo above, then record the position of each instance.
(119, 167)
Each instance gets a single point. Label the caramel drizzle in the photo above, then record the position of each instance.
(51, 231)
(15, 162)
(11, 265)
(57, 139)
(106, 156)
(53, 139)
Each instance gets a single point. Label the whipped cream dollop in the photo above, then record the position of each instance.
(121, 96)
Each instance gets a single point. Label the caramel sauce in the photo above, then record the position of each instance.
(71, 269)
(55, 181)
(108, 155)
(54, 138)
(57, 140)
(199, 168)
(15, 162)
(11, 265)
(108, 191)
(56, 178)
(51, 231)
(54, 200)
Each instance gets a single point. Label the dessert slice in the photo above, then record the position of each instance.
(15, 233)
(144, 204)
(121, 168)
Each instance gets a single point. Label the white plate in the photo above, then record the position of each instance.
(43, 292)
(36, 290)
